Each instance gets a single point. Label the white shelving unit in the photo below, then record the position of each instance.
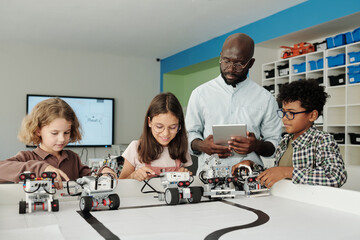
(342, 111)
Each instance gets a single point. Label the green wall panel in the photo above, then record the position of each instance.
(183, 81)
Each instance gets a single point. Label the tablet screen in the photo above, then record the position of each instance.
(223, 132)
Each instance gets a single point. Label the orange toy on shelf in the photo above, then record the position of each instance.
(298, 49)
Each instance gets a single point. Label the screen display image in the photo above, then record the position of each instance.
(96, 117)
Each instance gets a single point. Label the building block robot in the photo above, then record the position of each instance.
(98, 190)
(246, 181)
(114, 162)
(177, 188)
(218, 180)
(38, 191)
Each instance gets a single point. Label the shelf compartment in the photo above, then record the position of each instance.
(336, 116)
(353, 155)
(353, 115)
(337, 96)
(353, 96)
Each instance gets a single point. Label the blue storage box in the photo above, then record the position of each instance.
(356, 34)
(354, 69)
(330, 42)
(339, 40)
(299, 68)
(337, 60)
(354, 77)
(349, 37)
(354, 57)
(320, 63)
(312, 65)
(353, 36)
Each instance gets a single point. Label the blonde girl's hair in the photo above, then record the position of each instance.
(43, 114)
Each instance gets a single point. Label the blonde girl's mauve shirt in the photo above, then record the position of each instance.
(37, 160)
(164, 160)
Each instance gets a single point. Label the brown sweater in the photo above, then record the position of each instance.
(37, 160)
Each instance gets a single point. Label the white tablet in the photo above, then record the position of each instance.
(223, 133)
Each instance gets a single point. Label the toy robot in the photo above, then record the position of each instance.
(247, 180)
(115, 163)
(38, 191)
(218, 180)
(177, 188)
(98, 190)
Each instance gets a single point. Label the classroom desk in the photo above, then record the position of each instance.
(290, 212)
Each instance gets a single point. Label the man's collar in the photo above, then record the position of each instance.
(230, 87)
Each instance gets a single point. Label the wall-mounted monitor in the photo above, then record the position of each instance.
(96, 116)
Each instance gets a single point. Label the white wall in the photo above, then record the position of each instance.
(133, 82)
(262, 55)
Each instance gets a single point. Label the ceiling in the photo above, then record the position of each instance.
(157, 28)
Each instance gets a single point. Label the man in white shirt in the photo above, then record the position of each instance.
(233, 98)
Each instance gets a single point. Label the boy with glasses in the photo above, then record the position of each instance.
(305, 155)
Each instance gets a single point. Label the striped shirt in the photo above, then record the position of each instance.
(316, 159)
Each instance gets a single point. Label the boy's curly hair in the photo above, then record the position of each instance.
(310, 94)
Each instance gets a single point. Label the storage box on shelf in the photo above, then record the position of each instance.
(353, 36)
(338, 40)
(339, 75)
(339, 138)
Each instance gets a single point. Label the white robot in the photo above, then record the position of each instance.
(177, 188)
(38, 191)
(98, 190)
(246, 181)
(114, 162)
(218, 180)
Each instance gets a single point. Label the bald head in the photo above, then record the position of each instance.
(238, 50)
(240, 44)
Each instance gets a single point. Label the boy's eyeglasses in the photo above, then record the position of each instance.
(289, 115)
(237, 66)
(172, 129)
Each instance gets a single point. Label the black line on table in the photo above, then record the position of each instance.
(98, 226)
(262, 219)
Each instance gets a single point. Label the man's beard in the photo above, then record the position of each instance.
(236, 77)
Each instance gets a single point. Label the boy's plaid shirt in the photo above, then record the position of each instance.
(316, 159)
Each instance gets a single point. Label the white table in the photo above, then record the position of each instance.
(291, 212)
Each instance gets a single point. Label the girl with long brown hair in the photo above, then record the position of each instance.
(163, 145)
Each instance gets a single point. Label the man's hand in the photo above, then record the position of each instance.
(60, 174)
(272, 175)
(244, 145)
(245, 162)
(142, 174)
(209, 147)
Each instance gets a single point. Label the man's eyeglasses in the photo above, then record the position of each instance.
(172, 129)
(289, 115)
(237, 66)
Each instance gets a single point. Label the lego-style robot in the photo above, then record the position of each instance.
(246, 180)
(98, 190)
(218, 180)
(38, 191)
(177, 188)
(114, 162)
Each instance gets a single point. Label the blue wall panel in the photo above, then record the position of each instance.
(302, 16)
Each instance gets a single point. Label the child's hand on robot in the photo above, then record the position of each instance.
(107, 170)
(142, 174)
(60, 174)
(182, 169)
